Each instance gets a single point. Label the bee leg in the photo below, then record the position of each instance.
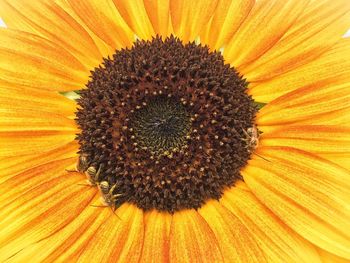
(98, 173)
(113, 210)
(104, 202)
(70, 171)
(262, 157)
(246, 133)
(112, 189)
(88, 183)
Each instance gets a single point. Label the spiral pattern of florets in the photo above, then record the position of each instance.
(165, 122)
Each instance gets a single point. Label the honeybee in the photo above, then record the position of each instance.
(83, 166)
(92, 175)
(108, 198)
(252, 140)
(83, 163)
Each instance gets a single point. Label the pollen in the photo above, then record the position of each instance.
(165, 124)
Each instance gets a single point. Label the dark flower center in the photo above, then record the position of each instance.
(161, 125)
(165, 124)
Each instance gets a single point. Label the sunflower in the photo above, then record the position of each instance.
(175, 131)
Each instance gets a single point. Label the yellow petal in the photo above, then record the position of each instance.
(234, 239)
(331, 67)
(192, 240)
(135, 15)
(310, 194)
(312, 138)
(342, 159)
(29, 120)
(34, 121)
(26, 129)
(30, 109)
(28, 60)
(305, 105)
(188, 17)
(329, 141)
(331, 258)
(50, 20)
(104, 20)
(117, 238)
(158, 13)
(156, 241)
(278, 242)
(31, 212)
(267, 22)
(17, 98)
(336, 117)
(228, 17)
(320, 26)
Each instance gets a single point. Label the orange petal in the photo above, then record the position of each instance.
(265, 25)
(42, 209)
(189, 17)
(50, 20)
(331, 67)
(68, 244)
(278, 242)
(310, 194)
(65, 244)
(28, 60)
(11, 166)
(228, 17)
(135, 15)
(192, 240)
(71, 243)
(104, 20)
(320, 26)
(117, 238)
(156, 240)
(234, 239)
(17, 143)
(27, 180)
(305, 105)
(158, 13)
(104, 49)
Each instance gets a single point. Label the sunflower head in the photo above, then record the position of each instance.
(165, 122)
(208, 131)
